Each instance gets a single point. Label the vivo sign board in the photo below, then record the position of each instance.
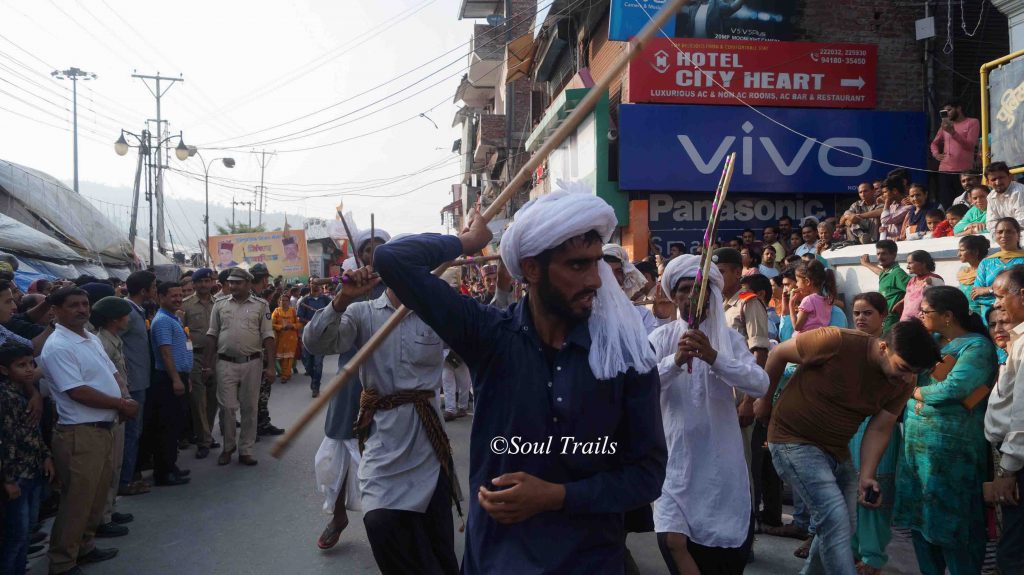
(682, 148)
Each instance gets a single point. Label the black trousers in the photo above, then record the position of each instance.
(411, 543)
(164, 420)
(710, 560)
(767, 485)
(948, 188)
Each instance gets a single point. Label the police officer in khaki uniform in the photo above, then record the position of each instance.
(203, 396)
(241, 336)
(260, 284)
(748, 316)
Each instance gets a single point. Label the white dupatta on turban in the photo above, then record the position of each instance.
(714, 326)
(634, 278)
(618, 337)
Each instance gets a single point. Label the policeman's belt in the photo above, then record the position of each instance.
(245, 359)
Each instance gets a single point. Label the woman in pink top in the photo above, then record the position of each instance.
(810, 305)
(921, 268)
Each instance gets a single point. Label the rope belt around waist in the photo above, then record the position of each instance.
(245, 359)
(422, 400)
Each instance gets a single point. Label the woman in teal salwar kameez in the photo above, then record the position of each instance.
(874, 526)
(943, 461)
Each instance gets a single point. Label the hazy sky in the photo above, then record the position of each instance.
(242, 63)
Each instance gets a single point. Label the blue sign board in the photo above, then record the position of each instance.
(683, 218)
(751, 20)
(785, 150)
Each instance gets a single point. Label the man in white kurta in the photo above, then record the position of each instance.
(703, 515)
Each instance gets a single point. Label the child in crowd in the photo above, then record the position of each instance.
(286, 331)
(810, 306)
(953, 216)
(751, 259)
(974, 221)
(922, 276)
(24, 459)
(892, 280)
(971, 251)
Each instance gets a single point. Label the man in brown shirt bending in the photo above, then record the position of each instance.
(843, 377)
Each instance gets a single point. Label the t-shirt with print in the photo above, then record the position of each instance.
(834, 389)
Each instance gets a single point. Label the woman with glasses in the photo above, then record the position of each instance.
(1007, 236)
(942, 463)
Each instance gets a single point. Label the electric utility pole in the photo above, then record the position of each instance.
(263, 161)
(74, 74)
(158, 93)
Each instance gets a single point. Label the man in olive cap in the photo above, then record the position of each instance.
(744, 313)
(260, 282)
(203, 393)
(241, 336)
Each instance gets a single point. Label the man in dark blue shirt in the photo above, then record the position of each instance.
(308, 306)
(557, 455)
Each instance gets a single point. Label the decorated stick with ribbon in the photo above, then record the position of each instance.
(697, 299)
(522, 177)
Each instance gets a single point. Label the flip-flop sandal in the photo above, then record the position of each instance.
(329, 538)
(804, 550)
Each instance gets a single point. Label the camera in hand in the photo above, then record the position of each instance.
(944, 114)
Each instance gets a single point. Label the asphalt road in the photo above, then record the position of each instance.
(265, 519)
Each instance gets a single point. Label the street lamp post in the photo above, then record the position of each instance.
(228, 163)
(145, 145)
(74, 74)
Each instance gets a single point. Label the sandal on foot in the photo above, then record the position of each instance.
(804, 549)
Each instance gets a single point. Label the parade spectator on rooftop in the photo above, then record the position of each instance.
(895, 211)
(1007, 196)
(953, 146)
(914, 226)
(976, 218)
(860, 229)
(809, 234)
(968, 179)
(1007, 237)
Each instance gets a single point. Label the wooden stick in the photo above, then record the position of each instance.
(582, 110)
(351, 240)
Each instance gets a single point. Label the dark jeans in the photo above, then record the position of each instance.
(314, 365)
(710, 560)
(1010, 553)
(165, 418)
(132, 436)
(20, 514)
(767, 485)
(407, 542)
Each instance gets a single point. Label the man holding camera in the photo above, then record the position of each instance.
(953, 146)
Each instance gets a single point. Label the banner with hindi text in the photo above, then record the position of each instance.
(283, 252)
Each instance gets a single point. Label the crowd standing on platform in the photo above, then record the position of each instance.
(598, 409)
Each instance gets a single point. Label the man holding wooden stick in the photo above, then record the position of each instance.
(567, 433)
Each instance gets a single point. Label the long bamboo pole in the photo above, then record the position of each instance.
(586, 105)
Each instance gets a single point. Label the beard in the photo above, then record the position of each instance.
(557, 304)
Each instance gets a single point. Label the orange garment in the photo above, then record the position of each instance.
(286, 332)
(286, 368)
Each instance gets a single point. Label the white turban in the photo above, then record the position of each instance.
(714, 326)
(618, 337)
(635, 279)
(361, 238)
